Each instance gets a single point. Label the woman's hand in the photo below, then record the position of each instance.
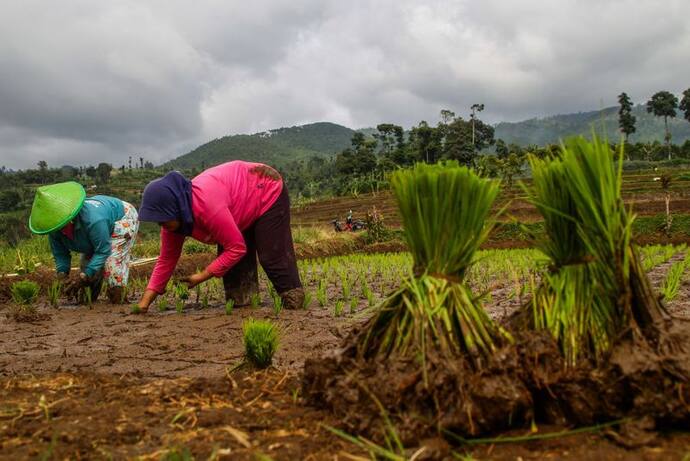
(193, 280)
(74, 284)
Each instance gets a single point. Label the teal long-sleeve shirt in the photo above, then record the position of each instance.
(93, 227)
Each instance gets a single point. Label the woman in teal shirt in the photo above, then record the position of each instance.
(103, 229)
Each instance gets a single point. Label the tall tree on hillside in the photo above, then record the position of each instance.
(103, 172)
(464, 138)
(502, 151)
(358, 140)
(475, 108)
(664, 104)
(390, 137)
(91, 172)
(447, 116)
(626, 120)
(685, 104)
(42, 171)
(424, 142)
(360, 158)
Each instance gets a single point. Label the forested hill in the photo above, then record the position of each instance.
(275, 147)
(541, 131)
(283, 145)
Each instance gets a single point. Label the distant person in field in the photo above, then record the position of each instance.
(103, 229)
(242, 207)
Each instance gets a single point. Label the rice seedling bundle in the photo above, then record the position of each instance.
(261, 341)
(595, 287)
(24, 292)
(445, 210)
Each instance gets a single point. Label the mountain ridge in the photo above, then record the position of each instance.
(277, 146)
(551, 129)
(281, 146)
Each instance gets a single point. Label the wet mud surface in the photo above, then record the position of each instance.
(521, 383)
(93, 383)
(196, 343)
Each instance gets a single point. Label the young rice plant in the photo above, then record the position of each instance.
(229, 306)
(674, 278)
(261, 340)
(25, 292)
(54, 291)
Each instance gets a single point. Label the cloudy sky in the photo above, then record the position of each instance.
(85, 81)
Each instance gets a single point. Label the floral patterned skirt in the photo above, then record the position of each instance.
(116, 269)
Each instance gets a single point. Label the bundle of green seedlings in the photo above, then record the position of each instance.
(595, 288)
(261, 341)
(25, 293)
(445, 212)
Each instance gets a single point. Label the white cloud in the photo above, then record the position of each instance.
(84, 81)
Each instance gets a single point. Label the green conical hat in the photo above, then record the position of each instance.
(55, 205)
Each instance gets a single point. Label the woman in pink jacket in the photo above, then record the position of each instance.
(242, 207)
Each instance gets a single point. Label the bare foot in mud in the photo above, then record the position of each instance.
(117, 295)
(293, 299)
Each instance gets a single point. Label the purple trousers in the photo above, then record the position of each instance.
(270, 238)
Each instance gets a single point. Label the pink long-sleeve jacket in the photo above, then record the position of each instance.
(226, 200)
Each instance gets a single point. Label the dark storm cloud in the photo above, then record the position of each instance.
(85, 81)
(81, 80)
(88, 81)
(249, 35)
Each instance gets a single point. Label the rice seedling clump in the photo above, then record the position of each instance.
(25, 292)
(261, 341)
(595, 302)
(445, 209)
(595, 289)
(24, 296)
(593, 343)
(421, 354)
